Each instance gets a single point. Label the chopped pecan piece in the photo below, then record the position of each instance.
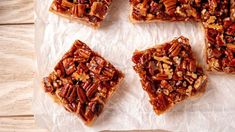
(208, 11)
(82, 81)
(170, 79)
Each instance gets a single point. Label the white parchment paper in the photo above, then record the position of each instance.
(129, 108)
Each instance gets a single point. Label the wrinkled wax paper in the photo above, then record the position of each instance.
(129, 108)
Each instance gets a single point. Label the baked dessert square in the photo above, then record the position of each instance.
(220, 35)
(90, 12)
(82, 81)
(165, 10)
(170, 74)
(220, 45)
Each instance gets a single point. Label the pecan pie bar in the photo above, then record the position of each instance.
(220, 35)
(82, 81)
(169, 74)
(91, 12)
(165, 10)
(221, 46)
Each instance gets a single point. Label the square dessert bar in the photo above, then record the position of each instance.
(169, 73)
(82, 81)
(165, 10)
(220, 35)
(220, 45)
(91, 12)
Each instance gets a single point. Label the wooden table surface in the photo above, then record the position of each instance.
(17, 65)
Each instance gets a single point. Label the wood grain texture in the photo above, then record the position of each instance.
(16, 11)
(19, 124)
(17, 69)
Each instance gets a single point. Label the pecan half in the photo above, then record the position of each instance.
(78, 10)
(92, 90)
(98, 9)
(81, 95)
(69, 65)
(72, 95)
(64, 91)
(94, 67)
(170, 6)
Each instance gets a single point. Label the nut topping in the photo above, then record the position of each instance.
(220, 47)
(171, 10)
